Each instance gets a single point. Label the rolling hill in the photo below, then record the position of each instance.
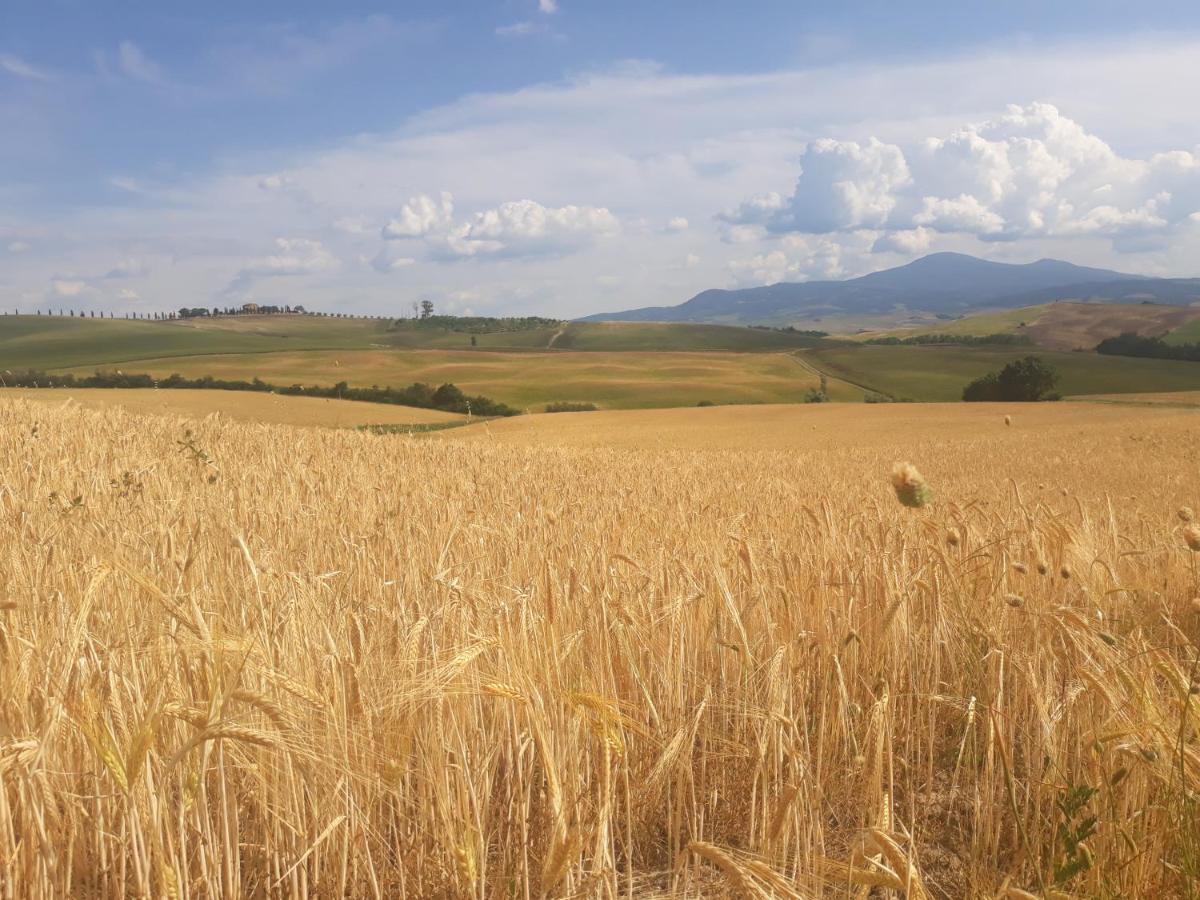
(941, 283)
(1066, 325)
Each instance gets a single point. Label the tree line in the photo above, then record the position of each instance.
(447, 397)
(1130, 344)
(967, 340)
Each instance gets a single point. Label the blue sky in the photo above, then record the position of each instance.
(568, 156)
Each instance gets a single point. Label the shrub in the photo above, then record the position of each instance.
(1022, 380)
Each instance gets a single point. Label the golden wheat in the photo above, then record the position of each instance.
(388, 667)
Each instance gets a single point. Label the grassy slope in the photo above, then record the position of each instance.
(55, 342)
(244, 406)
(1005, 321)
(1066, 326)
(659, 336)
(1185, 334)
(940, 373)
(526, 380)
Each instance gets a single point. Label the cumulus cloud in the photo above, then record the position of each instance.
(18, 247)
(515, 228)
(909, 242)
(548, 6)
(1031, 172)
(678, 223)
(420, 216)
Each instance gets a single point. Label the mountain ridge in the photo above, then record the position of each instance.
(940, 283)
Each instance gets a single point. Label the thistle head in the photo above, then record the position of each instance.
(1191, 536)
(910, 486)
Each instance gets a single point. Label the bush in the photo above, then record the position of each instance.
(567, 406)
(1022, 380)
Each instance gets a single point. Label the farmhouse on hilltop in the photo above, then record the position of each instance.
(249, 307)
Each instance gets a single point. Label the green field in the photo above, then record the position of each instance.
(54, 342)
(1004, 321)
(1185, 334)
(663, 337)
(615, 365)
(621, 380)
(939, 373)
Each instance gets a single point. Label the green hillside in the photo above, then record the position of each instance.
(939, 373)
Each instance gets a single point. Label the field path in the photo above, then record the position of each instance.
(840, 388)
(554, 337)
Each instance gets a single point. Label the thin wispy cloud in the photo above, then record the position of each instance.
(133, 62)
(522, 29)
(14, 65)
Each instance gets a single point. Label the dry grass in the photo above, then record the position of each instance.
(245, 406)
(268, 662)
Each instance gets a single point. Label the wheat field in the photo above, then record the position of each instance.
(247, 406)
(257, 661)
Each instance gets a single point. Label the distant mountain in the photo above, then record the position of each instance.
(945, 283)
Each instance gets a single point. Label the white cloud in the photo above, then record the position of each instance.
(961, 213)
(800, 258)
(649, 146)
(128, 295)
(18, 247)
(134, 63)
(912, 242)
(14, 65)
(548, 6)
(514, 228)
(678, 223)
(420, 216)
(844, 185)
(276, 182)
(67, 287)
(128, 268)
(293, 256)
(1030, 172)
(525, 226)
(387, 260)
(353, 225)
(692, 260)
